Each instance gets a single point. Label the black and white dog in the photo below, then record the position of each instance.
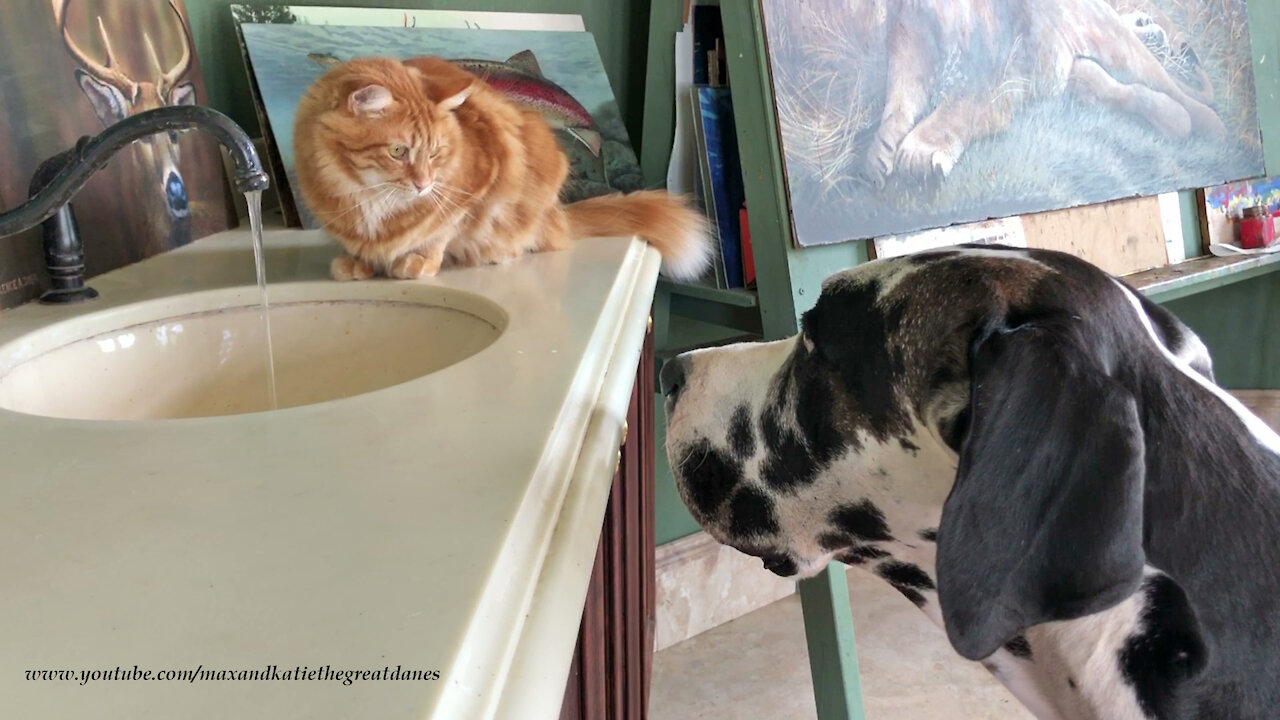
(1031, 452)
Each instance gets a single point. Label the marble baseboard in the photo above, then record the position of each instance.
(703, 584)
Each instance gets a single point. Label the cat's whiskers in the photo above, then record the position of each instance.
(367, 188)
(454, 190)
(442, 203)
(329, 220)
(360, 203)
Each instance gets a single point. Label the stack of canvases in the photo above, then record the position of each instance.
(69, 68)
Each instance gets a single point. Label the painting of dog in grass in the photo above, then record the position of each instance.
(903, 115)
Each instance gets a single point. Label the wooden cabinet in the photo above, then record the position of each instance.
(612, 664)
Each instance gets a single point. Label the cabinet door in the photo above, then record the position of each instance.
(609, 678)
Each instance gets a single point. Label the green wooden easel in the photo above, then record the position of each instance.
(788, 282)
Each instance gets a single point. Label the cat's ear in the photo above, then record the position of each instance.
(369, 100)
(446, 84)
(453, 94)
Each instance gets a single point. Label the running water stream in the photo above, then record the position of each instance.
(254, 201)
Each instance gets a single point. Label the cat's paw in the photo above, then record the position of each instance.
(349, 267)
(413, 266)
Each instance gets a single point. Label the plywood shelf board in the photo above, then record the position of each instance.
(1200, 274)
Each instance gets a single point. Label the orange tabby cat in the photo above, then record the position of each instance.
(415, 164)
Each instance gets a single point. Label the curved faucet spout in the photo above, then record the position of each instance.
(61, 176)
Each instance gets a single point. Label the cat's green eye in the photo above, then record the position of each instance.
(435, 153)
(397, 151)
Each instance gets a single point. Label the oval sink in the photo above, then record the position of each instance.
(204, 354)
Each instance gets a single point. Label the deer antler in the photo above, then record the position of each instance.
(169, 79)
(109, 73)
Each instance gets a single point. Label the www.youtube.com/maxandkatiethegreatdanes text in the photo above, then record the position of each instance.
(271, 673)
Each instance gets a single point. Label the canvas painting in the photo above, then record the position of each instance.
(371, 17)
(1224, 203)
(410, 18)
(528, 66)
(70, 68)
(904, 116)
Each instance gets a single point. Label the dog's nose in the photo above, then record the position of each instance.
(672, 378)
(780, 565)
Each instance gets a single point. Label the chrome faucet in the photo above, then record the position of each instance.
(61, 177)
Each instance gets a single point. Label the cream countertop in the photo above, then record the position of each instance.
(416, 526)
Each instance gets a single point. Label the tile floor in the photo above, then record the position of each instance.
(756, 667)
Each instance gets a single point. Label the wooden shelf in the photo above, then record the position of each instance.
(703, 290)
(1200, 274)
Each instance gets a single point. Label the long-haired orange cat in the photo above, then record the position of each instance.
(415, 164)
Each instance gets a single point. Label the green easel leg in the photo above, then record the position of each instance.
(833, 657)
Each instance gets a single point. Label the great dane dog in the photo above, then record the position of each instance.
(1031, 452)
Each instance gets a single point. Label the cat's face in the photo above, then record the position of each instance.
(387, 138)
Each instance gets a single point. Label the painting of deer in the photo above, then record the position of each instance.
(906, 115)
(70, 68)
(115, 96)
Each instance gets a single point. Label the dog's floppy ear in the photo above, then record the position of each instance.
(1044, 521)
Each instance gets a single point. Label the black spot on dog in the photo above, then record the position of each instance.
(788, 465)
(905, 574)
(741, 438)
(813, 415)
(795, 459)
(861, 520)
(929, 534)
(1168, 649)
(928, 257)
(1071, 683)
(834, 540)
(1019, 647)
(911, 594)
(751, 513)
(861, 554)
(909, 446)
(907, 579)
(851, 332)
(710, 475)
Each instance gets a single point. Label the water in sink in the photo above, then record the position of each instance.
(253, 199)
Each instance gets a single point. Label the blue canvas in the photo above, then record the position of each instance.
(715, 106)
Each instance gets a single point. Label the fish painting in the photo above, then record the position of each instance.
(520, 79)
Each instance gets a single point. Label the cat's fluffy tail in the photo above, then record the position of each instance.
(664, 220)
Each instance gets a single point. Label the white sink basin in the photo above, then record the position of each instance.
(204, 354)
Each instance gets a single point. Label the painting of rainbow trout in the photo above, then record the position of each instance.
(520, 79)
(556, 73)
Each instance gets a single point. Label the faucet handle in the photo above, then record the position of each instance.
(63, 251)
